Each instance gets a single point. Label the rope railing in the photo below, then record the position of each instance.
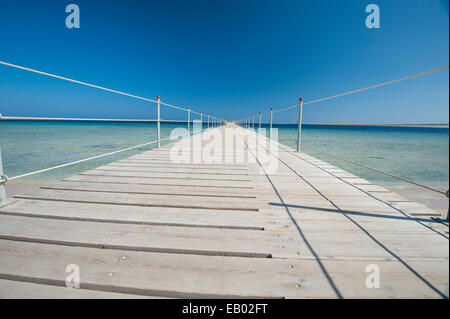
(364, 124)
(4, 178)
(212, 121)
(82, 119)
(78, 161)
(351, 92)
(157, 101)
(377, 170)
(249, 122)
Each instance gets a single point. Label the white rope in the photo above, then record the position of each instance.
(366, 124)
(5, 179)
(360, 90)
(377, 171)
(377, 85)
(81, 119)
(94, 86)
(83, 160)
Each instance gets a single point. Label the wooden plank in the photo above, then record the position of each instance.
(151, 189)
(175, 178)
(184, 276)
(167, 239)
(10, 289)
(137, 173)
(111, 167)
(239, 166)
(146, 200)
(146, 215)
(167, 166)
(415, 209)
(163, 182)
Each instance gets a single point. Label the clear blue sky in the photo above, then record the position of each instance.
(226, 57)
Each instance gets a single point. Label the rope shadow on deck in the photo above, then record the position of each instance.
(350, 212)
(372, 237)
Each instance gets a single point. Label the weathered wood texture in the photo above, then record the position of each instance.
(152, 226)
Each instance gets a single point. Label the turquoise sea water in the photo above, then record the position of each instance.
(419, 154)
(33, 145)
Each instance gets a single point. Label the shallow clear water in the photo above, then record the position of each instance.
(32, 145)
(419, 154)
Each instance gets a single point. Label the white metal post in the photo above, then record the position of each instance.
(299, 129)
(208, 121)
(270, 128)
(253, 122)
(446, 194)
(201, 121)
(158, 126)
(2, 181)
(259, 120)
(189, 119)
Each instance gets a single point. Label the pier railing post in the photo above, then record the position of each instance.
(253, 122)
(158, 126)
(189, 119)
(259, 120)
(299, 129)
(201, 121)
(208, 121)
(270, 128)
(446, 194)
(3, 179)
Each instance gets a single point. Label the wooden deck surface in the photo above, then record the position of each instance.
(146, 226)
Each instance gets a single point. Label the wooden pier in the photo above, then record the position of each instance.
(146, 226)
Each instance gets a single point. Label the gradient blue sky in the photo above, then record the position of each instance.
(229, 58)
